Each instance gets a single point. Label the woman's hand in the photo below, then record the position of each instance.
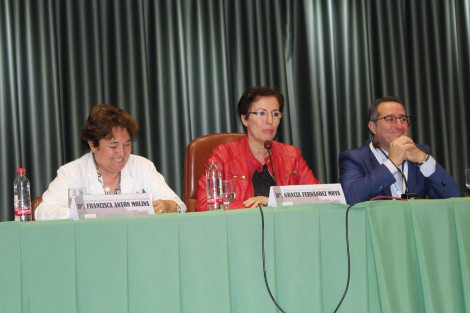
(164, 206)
(254, 201)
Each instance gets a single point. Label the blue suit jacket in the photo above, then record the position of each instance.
(362, 177)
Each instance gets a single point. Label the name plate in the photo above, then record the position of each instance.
(98, 206)
(306, 194)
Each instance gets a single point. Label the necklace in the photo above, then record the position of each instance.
(107, 190)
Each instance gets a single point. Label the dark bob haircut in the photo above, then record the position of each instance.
(101, 121)
(252, 94)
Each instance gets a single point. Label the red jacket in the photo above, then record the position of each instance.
(238, 163)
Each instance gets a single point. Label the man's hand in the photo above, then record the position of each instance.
(398, 149)
(403, 148)
(415, 155)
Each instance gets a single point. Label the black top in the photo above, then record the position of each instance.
(262, 182)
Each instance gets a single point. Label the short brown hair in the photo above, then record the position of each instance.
(101, 121)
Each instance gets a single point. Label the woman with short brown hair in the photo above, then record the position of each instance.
(109, 168)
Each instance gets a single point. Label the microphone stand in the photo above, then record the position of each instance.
(267, 146)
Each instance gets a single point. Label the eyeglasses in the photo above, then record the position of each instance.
(391, 119)
(264, 114)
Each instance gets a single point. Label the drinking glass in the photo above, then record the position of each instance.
(467, 178)
(228, 193)
(76, 191)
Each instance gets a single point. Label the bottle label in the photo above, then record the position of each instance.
(22, 211)
(214, 200)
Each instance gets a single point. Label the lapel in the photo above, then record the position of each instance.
(127, 180)
(94, 185)
(373, 163)
(412, 177)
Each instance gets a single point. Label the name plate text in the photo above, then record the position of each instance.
(306, 194)
(98, 206)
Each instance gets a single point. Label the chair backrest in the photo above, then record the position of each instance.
(34, 204)
(195, 159)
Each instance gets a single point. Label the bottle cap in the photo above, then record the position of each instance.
(20, 170)
(212, 160)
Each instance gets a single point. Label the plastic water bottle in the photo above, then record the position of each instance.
(213, 186)
(22, 196)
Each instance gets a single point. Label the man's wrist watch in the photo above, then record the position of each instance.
(425, 159)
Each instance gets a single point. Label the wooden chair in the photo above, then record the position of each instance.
(195, 159)
(34, 204)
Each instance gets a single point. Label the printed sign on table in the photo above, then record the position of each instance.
(306, 194)
(98, 206)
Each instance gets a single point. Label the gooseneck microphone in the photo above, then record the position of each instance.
(407, 194)
(267, 146)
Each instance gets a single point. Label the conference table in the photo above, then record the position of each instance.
(405, 256)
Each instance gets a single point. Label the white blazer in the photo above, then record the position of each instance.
(139, 175)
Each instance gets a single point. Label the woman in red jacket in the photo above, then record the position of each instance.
(247, 162)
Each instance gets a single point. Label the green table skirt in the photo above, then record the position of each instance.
(405, 257)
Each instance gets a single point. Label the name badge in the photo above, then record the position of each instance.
(306, 194)
(98, 206)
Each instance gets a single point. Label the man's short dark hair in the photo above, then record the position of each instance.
(373, 116)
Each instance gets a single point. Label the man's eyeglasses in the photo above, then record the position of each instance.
(391, 119)
(264, 114)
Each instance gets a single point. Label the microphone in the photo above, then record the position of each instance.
(267, 146)
(407, 194)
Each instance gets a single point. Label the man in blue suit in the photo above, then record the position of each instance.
(391, 164)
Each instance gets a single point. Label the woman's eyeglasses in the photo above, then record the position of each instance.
(264, 114)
